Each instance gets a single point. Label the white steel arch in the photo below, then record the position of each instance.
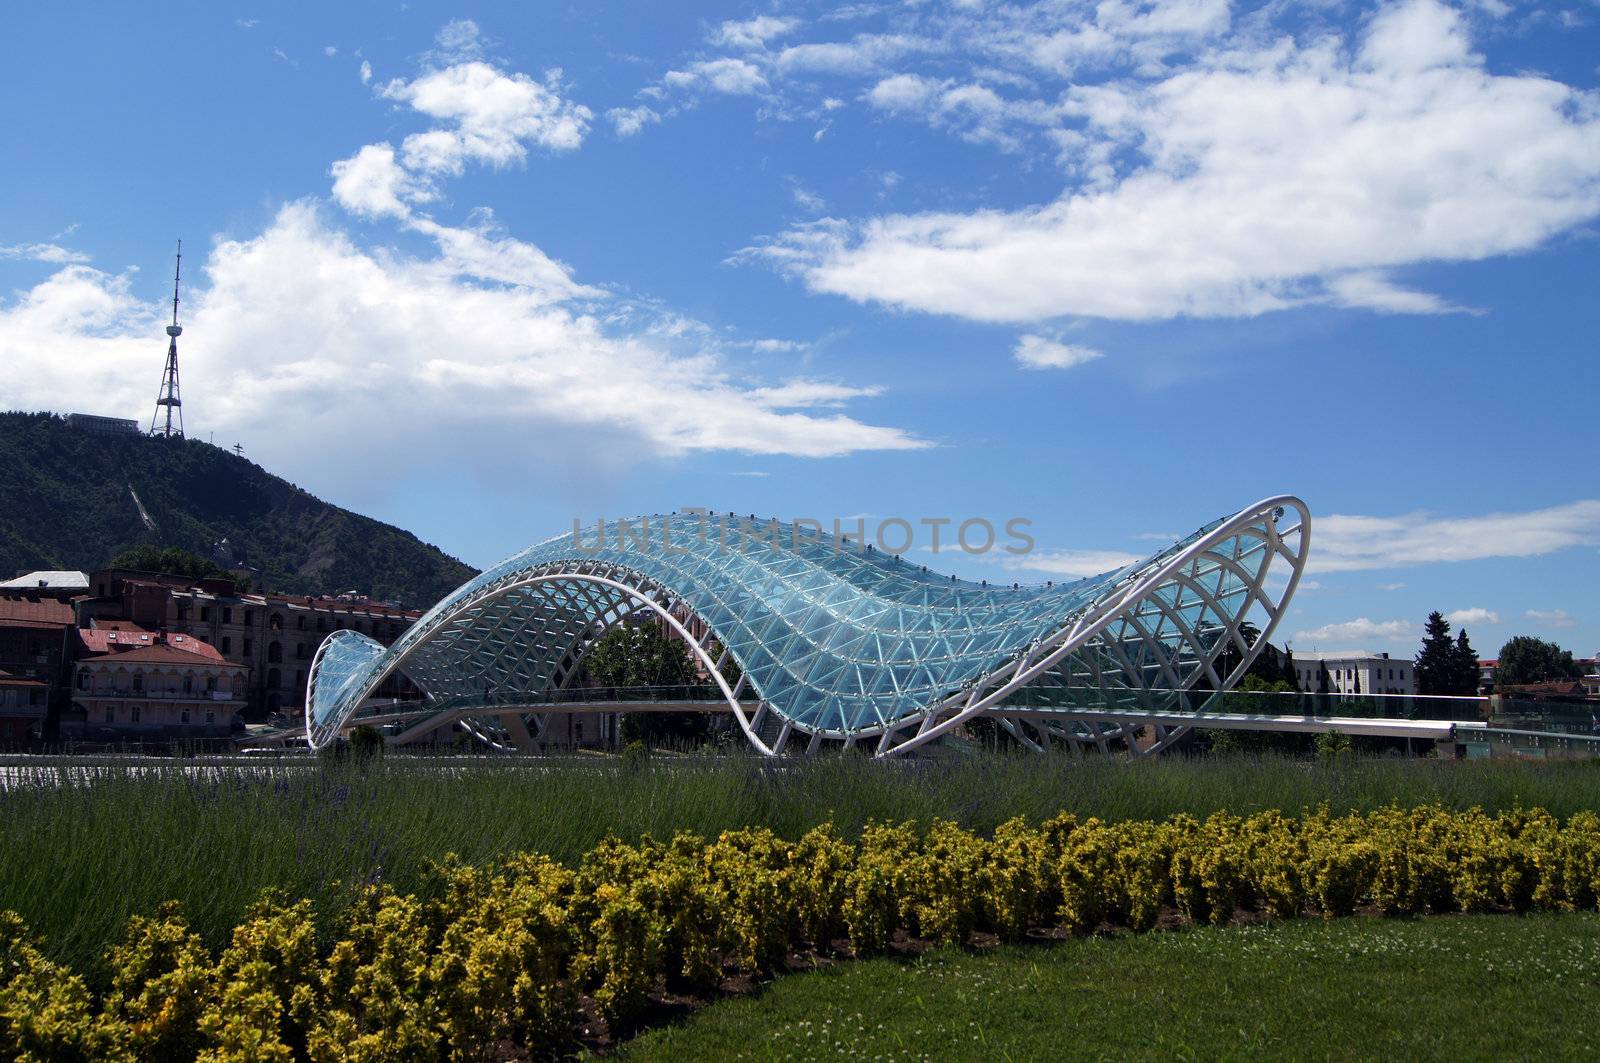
(1151, 634)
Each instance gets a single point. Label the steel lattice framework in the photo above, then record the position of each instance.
(836, 642)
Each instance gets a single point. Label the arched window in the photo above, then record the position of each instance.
(238, 685)
(276, 623)
(138, 680)
(188, 683)
(274, 652)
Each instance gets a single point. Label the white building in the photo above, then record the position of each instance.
(1355, 672)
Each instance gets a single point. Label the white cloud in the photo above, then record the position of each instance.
(805, 198)
(1475, 616)
(768, 346)
(904, 92)
(50, 253)
(373, 184)
(493, 116)
(1342, 543)
(1371, 290)
(1359, 630)
(1036, 352)
(731, 76)
(330, 50)
(1390, 586)
(1263, 175)
(366, 72)
(629, 120)
(467, 349)
(862, 54)
(800, 394)
(752, 32)
(457, 41)
(1074, 563)
(1557, 618)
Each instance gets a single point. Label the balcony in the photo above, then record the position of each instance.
(198, 697)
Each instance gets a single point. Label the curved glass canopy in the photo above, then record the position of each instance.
(833, 639)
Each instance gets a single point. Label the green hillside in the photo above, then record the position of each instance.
(70, 499)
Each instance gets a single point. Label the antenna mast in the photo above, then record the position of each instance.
(168, 395)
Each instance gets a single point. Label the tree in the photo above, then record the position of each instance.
(1526, 659)
(173, 561)
(1465, 658)
(1436, 664)
(644, 655)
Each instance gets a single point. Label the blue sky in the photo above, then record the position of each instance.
(1114, 268)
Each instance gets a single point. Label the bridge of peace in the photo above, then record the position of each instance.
(811, 642)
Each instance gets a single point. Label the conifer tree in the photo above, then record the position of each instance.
(1466, 667)
(1436, 664)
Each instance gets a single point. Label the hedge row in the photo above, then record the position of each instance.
(492, 961)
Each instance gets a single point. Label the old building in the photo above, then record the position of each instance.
(23, 706)
(65, 585)
(1356, 673)
(133, 685)
(35, 631)
(274, 636)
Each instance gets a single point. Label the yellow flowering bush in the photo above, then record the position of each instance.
(493, 961)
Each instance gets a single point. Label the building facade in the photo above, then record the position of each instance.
(1356, 673)
(23, 707)
(141, 686)
(35, 650)
(273, 636)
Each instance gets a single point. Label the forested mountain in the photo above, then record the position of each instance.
(73, 499)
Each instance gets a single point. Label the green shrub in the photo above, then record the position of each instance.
(267, 978)
(46, 1014)
(946, 882)
(162, 982)
(878, 890)
(488, 961)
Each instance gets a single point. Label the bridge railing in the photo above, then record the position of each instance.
(1251, 703)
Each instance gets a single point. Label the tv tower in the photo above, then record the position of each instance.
(168, 395)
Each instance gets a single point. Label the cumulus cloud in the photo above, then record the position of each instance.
(493, 116)
(1343, 543)
(1358, 630)
(1557, 618)
(1036, 352)
(480, 353)
(862, 54)
(731, 76)
(629, 120)
(372, 183)
(752, 32)
(311, 344)
(1271, 173)
(1475, 616)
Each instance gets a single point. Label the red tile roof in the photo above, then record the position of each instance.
(22, 610)
(9, 680)
(160, 653)
(99, 641)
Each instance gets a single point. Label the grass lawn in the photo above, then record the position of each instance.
(1442, 987)
(77, 859)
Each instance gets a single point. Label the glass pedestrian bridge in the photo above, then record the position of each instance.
(810, 640)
